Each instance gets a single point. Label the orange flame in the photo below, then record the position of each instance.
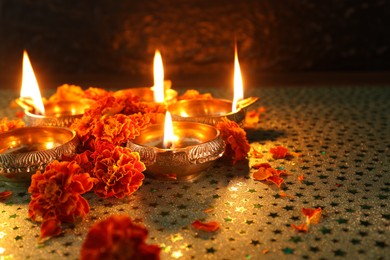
(169, 136)
(238, 85)
(158, 69)
(30, 89)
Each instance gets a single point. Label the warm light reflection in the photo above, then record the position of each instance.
(2, 250)
(238, 85)
(49, 145)
(158, 69)
(169, 136)
(30, 89)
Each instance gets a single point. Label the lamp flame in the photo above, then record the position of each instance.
(30, 89)
(238, 85)
(169, 136)
(158, 70)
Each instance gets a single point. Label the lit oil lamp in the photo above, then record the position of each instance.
(52, 113)
(178, 150)
(161, 91)
(25, 150)
(212, 111)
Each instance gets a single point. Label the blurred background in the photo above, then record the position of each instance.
(104, 42)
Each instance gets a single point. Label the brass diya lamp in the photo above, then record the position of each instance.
(210, 111)
(161, 91)
(195, 149)
(57, 113)
(25, 150)
(52, 113)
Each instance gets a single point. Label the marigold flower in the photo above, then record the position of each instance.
(119, 128)
(117, 237)
(205, 226)
(118, 170)
(67, 92)
(56, 196)
(237, 145)
(194, 94)
(7, 125)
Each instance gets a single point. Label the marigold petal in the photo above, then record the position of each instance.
(5, 195)
(205, 226)
(279, 152)
(313, 216)
(301, 228)
(262, 174)
(50, 228)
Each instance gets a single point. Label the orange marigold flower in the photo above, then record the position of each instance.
(119, 128)
(118, 170)
(237, 145)
(205, 226)
(117, 237)
(67, 92)
(5, 195)
(56, 196)
(7, 125)
(96, 93)
(313, 216)
(301, 228)
(194, 94)
(279, 152)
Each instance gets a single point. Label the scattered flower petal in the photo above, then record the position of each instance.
(208, 227)
(282, 194)
(256, 154)
(279, 152)
(5, 195)
(301, 178)
(313, 216)
(301, 228)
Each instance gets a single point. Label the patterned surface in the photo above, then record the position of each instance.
(343, 135)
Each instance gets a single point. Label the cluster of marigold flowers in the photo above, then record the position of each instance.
(103, 164)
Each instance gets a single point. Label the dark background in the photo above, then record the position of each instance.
(101, 41)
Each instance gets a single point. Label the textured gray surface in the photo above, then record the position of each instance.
(344, 137)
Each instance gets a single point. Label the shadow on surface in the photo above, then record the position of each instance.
(258, 135)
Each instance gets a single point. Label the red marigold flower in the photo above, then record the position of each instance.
(117, 237)
(279, 152)
(7, 125)
(205, 226)
(118, 170)
(313, 216)
(235, 139)
(56, 195)
(5, 195)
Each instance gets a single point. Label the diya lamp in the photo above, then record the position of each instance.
(211, 111)
(25, 150)
(178, 150)
(152, 94)
(52, 113)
